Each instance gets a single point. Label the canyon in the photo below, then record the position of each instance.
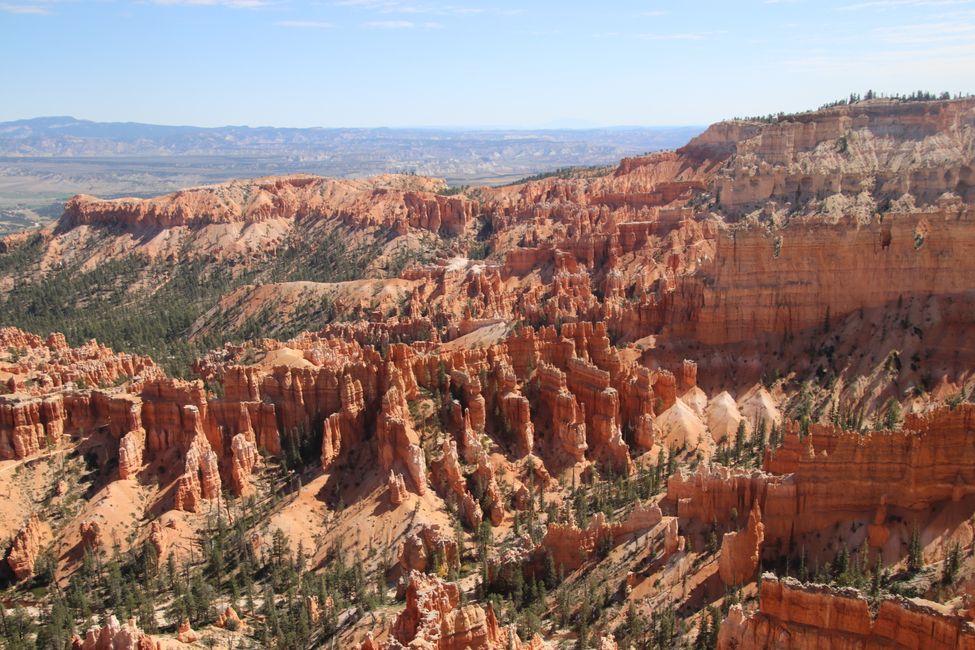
(625, 408)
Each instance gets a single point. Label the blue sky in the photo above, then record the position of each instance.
(469, 62)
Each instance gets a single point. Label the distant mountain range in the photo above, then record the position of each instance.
(67, 136)
(45, 160)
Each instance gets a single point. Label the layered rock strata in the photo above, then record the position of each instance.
(792, 616)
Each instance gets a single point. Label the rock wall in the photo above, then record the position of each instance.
(886, 148)
(398, 443)
(49, 386)
(741, 551)
(394, 202)
(792, 280)
(434, 619)
(25, 548)
(570, 546)
(794, 616)
(833, 476)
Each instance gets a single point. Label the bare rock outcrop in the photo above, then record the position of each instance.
(831, 475)
(229, 619)
(793, 616)
(116, 636)
(25, 549)
(395, 436)
(396, 488)
(201, 477)
(681, 428)
(426, 546)
(91, 534)
(723, 418)
(434, 619)
(186, 634)
(741, 551)
(570, 547)
(244, 457)
(396, 202)
(456, 486)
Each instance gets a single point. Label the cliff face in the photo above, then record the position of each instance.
(833, 476)
(25, 548)
(857, 206)
(144, 414)
(741, 551)
(883, 148)
(930, 460)
(48, 391)
(802, 275)
(397, 202)
(794, 616)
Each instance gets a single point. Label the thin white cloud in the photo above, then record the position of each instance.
(676, 36)
(233, 4)
(31, 10)
(389, 24)
(957, 58)
(682, 36)
(397, 7)
(536, 32)
(930, 33)
(655, 12)
(894, 4)
(381, 6)
(305, 24)
(367, 4)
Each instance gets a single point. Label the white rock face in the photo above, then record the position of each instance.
(723, 417)
(679, 426)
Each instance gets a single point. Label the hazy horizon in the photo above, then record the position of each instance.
(514, 65)
(554, 126)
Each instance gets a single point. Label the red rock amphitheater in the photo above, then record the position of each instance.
(718, 397)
